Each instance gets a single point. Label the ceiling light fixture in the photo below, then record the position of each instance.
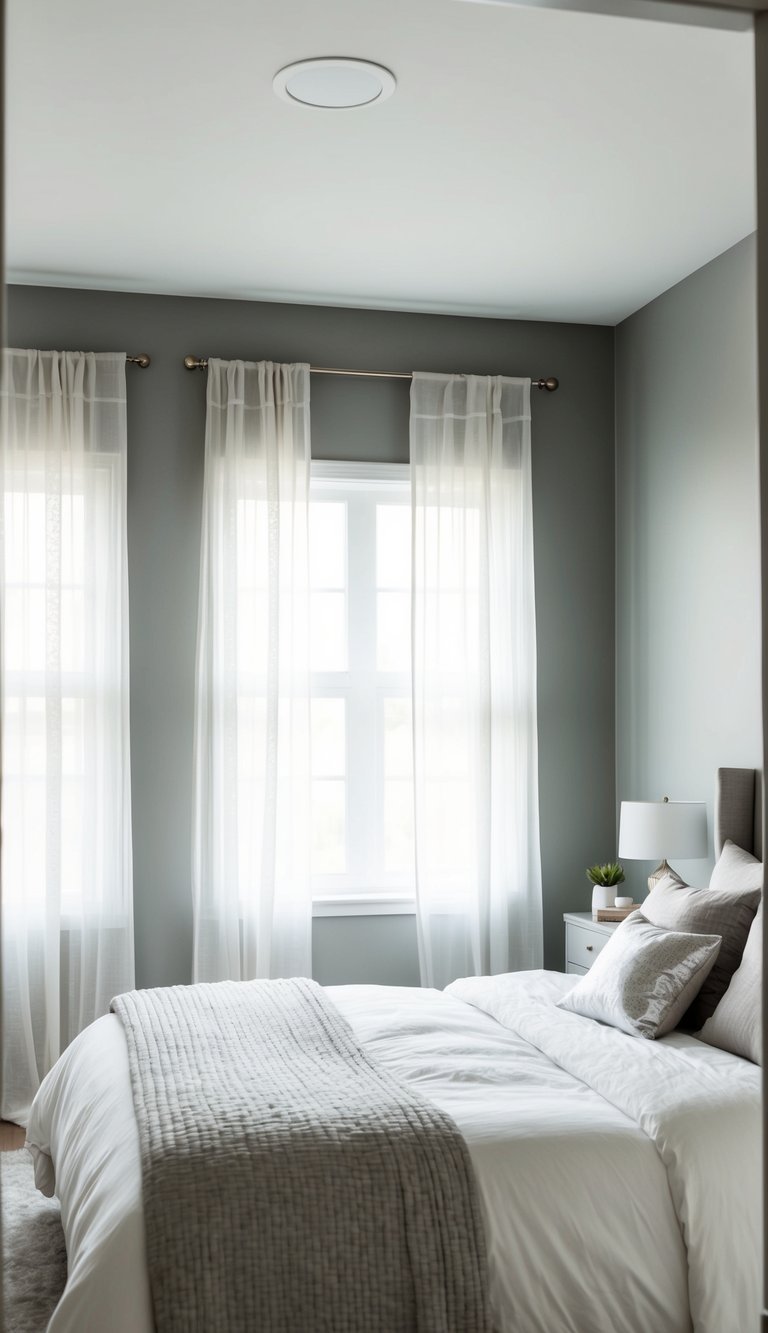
(334, 83)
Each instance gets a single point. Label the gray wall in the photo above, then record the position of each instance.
(688, 539)
(358, 419)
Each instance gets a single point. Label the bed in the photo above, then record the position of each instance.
(618, 1179)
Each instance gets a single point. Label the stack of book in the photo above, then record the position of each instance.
(615, 913)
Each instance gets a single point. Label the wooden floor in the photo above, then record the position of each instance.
(11, 1136)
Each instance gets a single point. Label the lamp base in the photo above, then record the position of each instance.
(662, 870)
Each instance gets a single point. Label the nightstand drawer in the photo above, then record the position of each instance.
(573, 969)
(582, 945)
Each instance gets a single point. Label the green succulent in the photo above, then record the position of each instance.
(609, 874)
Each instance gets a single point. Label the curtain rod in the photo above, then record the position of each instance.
(201, 363)
(142, 360)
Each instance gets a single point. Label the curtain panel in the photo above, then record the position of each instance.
(251, 874)
(478, 865)
(66, 805)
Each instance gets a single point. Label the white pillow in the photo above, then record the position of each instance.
(736, 869)
(644, 979)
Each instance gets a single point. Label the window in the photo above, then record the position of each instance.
(61, 697)
(26, 742)
(360, 658)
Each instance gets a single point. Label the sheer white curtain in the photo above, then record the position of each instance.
(478, 871)
(251, 874)
(66, 804)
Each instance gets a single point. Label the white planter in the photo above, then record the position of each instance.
(603, 895)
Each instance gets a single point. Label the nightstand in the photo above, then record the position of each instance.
(584, 939)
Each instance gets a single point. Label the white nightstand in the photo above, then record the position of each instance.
(584, 938)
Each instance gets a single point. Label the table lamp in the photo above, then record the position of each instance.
(651, 829)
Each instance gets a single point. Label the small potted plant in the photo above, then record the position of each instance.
(604, 880)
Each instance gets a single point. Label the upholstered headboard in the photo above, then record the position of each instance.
(739, 809)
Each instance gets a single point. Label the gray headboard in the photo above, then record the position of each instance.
(739, 809)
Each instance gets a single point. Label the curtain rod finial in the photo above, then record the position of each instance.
(549, 384)
(195, 363)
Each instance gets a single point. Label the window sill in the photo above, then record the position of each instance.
(364, 904)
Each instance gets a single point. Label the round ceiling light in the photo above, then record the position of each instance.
(334, 82)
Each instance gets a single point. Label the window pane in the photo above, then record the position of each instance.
(24, 629)
(393, 546)
(328, 827)
(72, 630)
(451, 753)
(449, 825)
(24, 538)
(252, 543)
(393, 643)
(293, 743)
(328, 629)
(451, 629)
(448, 547)
(328, 738)
(11, 736)
(398, 738)
(72, 534)
(24, 739)
(398, 825)
(73, 737)
(251, 631)
(327, 544)
(251, 738)
(255, 759)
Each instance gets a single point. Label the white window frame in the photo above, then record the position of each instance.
(351, 894)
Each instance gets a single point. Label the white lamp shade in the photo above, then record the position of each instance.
(656, 830)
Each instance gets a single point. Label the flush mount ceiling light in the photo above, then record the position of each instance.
(334, 83)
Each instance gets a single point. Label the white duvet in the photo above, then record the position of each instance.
(619, 1178)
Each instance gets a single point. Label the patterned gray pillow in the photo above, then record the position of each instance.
(644, 979)
(735, 1025)
(727, 911)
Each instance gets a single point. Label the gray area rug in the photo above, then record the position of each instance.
(34, 1257)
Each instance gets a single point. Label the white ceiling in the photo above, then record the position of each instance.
(532, 163)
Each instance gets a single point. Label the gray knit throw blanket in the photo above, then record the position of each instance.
(290, 1183)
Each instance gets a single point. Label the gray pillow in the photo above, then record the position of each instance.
(644, 979)
(736, 869)
(735, 1025)
(725, 911)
